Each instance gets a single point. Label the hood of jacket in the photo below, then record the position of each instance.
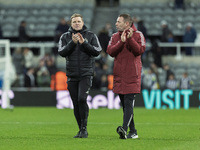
(133, 27)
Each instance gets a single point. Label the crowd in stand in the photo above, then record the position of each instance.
(43, 74)
(29, 74)
(152, 81)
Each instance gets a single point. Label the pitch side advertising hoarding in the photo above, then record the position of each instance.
(150, 99)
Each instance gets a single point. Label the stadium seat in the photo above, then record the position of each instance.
(42, 19)
(53, 20)
(8, 27)
(41, 27)
(147, 12)
(44, 12)
(124, 10)
(32, 19)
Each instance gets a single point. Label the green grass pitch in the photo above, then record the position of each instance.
(48, 128)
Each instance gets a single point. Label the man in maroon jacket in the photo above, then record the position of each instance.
(127, 46)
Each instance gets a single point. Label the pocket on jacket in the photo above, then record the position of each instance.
(116, 69)
(131, 73)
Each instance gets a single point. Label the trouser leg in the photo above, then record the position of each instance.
(84, 87)
(132, 124)
(73, 90)
(127, 101)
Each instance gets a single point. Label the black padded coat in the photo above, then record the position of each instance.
(79, 57)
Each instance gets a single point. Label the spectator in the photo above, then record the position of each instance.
(59, 81)
(168, 71)
(1, 33)
(179, 4)
(18, 62)
(165, 31)
(157, 53)
(142, 28)
(189, 36)
(42, 75)
(51, 66)
(104, 82)
(28, 58)
(135, 21)
(110, 29)
(171, 39)
(149, 80)
(101, 59)
(47, 57)
(156, 71)
(61, 28)
(109, 59)
(104, 38)
(164, 36)
(172, 83)
(23, 36)
(97, 76)
(185, 82)
(104, 78)
(30, 80)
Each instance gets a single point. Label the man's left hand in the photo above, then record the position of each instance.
(130, 33)
(81, 39)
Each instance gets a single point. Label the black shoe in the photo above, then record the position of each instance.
(132, 135)
(83, 133)
(121, 132)
(78, 135)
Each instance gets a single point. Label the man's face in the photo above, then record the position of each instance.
(77, 23)
(188, 28)
(120, 24)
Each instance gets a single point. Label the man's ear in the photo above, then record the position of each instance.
(127, 23)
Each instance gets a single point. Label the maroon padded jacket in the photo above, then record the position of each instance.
(127, 62)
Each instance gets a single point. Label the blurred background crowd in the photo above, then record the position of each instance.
(167, 21)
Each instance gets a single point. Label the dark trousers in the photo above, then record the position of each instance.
(127, 102)
(79, 90)
(188, 50)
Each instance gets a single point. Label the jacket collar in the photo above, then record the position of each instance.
(84, 29)
(133, 27)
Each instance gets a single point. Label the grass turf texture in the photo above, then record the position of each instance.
(47, 128)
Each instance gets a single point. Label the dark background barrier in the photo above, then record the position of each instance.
(34, 98)
(149, 99)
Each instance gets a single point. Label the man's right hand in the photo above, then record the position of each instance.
(123, 36)
(75, 38)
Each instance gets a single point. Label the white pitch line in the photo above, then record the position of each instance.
(104, 123)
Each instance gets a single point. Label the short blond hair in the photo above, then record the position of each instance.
(76, 15)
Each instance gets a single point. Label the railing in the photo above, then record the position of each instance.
(178, 47)
(43, 45)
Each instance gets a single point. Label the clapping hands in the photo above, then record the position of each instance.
(77, 38)
(126, 34)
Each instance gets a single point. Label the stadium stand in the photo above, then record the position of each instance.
(153, 12)
(42, 18)
(39, 15)
(150, 11)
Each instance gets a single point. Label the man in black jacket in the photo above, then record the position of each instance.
(79, 46)
(23, 36)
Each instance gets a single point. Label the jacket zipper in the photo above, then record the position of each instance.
(79, 71)
(136, 66)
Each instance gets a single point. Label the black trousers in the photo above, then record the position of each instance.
(79, 89)
(127, 102)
